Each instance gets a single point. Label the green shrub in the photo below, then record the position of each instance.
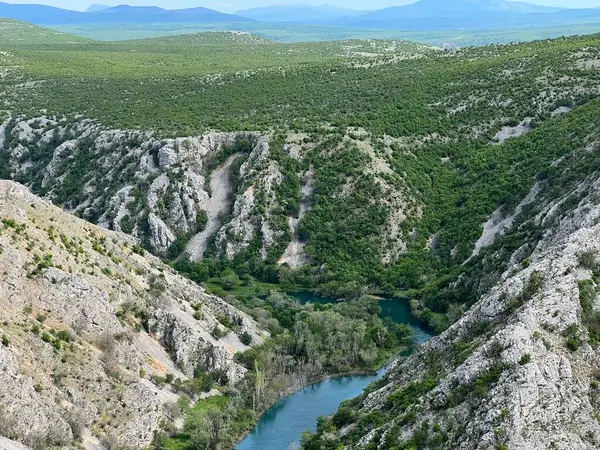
(225, 321)
(588, 260)
(525, 359)
(64, 335)
(9, 223)
(138, 249)
(177, 247)
(217, 333)
(587, 296)
(201, 221)
(590, 317)
(487, 380)
(41, 264)
(534, 286)
(573, 343)
(230, 282)
(573, 337)
(344, 416)
(201, 383)
(246, 338)
(126, 224)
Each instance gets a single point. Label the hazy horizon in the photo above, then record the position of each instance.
(236, 5)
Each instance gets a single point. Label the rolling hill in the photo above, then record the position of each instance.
(17, 32)
(39, 14)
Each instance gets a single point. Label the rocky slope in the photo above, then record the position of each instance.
(220, 193)
(95, 333)
(159, 190)
(520, 369)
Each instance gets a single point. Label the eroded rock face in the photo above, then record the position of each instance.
(218, 189)
(518, 370)
(257, 174)
(128, 181)
(161, 237)
(295, 254)
(25, 413)
(89, 324)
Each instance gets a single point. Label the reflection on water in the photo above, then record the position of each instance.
(282, 425)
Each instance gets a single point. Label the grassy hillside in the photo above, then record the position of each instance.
(405, 140)
(15, 32)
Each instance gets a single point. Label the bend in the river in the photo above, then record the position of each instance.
(281, 427)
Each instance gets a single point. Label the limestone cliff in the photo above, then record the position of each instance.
(220, 192)
(95, 333)
(156, 189)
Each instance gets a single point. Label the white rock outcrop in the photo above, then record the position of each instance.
(131, 181)
(518, 370)
(90, 325)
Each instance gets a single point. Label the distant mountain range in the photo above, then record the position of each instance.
(420, 16)
(467, 14)
(460, 9)
(94, 8)
(48, 15)
(299, 13)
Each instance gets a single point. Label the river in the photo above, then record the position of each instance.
(281, 427)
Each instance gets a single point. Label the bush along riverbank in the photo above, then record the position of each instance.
(308, 343)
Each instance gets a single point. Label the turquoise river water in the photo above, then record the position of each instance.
(281, 427)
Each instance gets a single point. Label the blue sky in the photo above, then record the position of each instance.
(234, 5)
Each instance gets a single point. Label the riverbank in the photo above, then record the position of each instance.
(396, 309)
(332, 344)
(373, 374)
(296, 383)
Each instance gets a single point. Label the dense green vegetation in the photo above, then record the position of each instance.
(287, 82)
(393, 130)
(430, 120)
(563, 138)
(308, 342)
